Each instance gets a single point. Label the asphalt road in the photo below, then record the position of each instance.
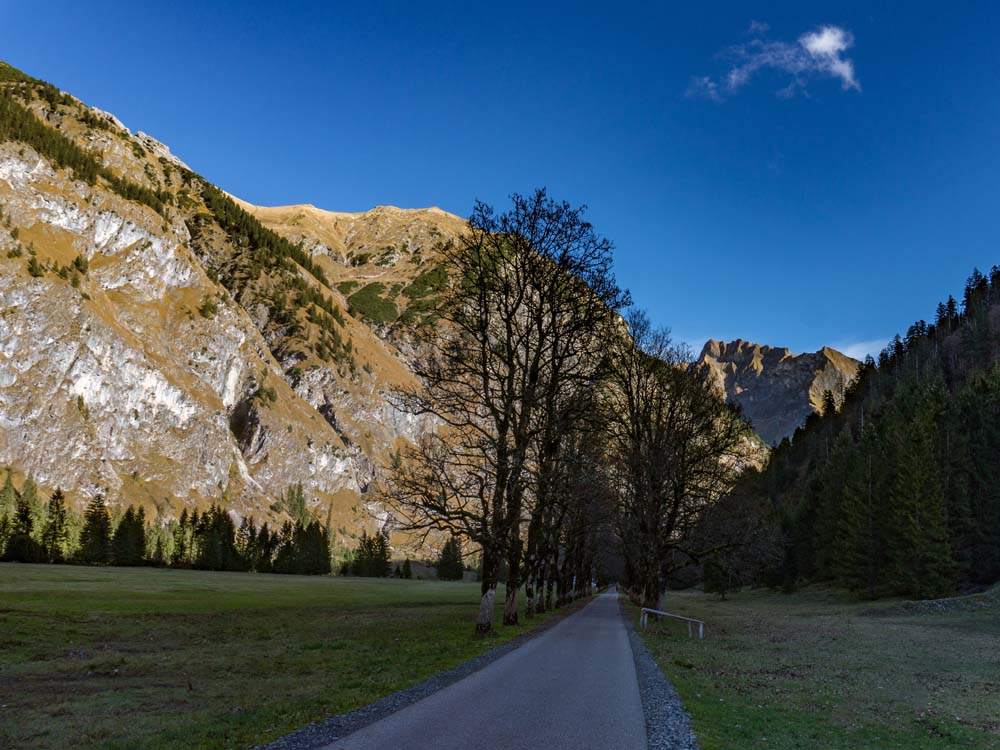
(573, 686)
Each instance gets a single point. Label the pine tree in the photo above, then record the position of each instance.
(921, 562)
(266, 542)
(29, 494)
(372, 557)
(449, 564)
(56, 534)
(24, 518)
(21, 545)
(179, 557)
(246, 542)
(407, 571)
(284, 557)
(294, 504)
(361, 561)
(829, 403)
(215, 545)
(95, 539)
(858, 555)
(8, 497)
(128, 544)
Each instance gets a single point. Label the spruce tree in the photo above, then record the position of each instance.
(95, 539)
(56, 534)
(8, 497)
(360, 564)
(21, 545)
(29, 495)
(382, 558)
(920, 552)
(266, 542)
(179, 557)
(829, 403)
(128, 543)
(407, 571)
(858, 554)
(24, 518)
(449, 564)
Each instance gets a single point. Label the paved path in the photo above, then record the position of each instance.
(573, 686)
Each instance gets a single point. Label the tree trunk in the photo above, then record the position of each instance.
(511, 602)
(484, 623)
(529, 598)
(513, 583)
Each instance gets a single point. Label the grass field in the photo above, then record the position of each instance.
(149, 658)
(818, 670)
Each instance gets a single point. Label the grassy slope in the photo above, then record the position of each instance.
(133, 658)
(817, 670)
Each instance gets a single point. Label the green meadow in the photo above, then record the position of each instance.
(817, 670)
(155, 658)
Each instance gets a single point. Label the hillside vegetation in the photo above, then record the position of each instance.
(897, 491)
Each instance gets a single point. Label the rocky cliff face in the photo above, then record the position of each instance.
(776, 390)
(164, 348)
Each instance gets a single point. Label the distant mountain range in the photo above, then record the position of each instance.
(168, 344)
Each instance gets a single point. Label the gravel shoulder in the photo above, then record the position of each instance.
(668, 726)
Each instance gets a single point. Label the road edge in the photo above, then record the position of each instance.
(668, 726)
(325, 732)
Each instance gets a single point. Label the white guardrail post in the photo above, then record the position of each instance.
(646, 612)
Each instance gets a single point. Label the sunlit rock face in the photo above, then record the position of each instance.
(120, 384)
(775, 389)
(127, 368)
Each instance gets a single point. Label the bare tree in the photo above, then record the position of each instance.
(531, 290)
(676, 448)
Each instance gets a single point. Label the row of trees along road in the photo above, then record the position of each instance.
(557, 415)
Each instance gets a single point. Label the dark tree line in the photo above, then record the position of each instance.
(898, 490)
(372, 558)
(209, 540)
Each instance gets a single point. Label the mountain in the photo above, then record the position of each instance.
(161, 345)
(168, 344)
(776, 390)
(897, 491)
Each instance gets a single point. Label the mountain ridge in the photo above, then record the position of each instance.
(776, 389)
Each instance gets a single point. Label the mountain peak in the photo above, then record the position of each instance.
(775, 388)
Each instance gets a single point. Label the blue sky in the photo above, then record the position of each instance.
(797, 174)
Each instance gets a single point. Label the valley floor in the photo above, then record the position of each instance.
(143, 658)
(817, 669)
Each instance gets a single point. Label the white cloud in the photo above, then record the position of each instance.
(826, 46)
(816, 54)
(758, 27)
(704, 87)
(861, 349)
